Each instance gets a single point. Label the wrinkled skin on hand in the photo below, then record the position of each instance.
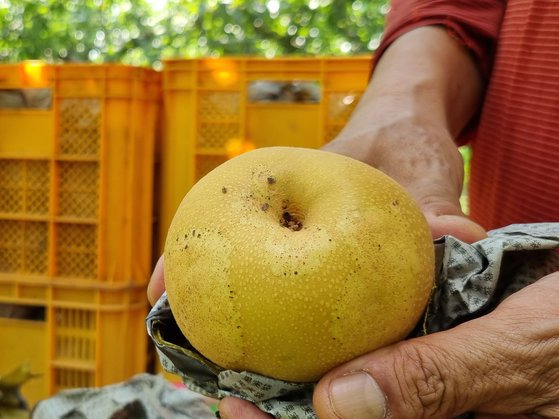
(427, 164)
(505, 364)
(502, 365)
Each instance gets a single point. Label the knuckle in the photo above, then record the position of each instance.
(421, 381)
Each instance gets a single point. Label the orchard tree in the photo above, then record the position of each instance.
(142, 32)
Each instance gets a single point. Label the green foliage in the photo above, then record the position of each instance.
(466, 152)
(142, 32)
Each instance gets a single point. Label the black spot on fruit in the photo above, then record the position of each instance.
(291, 222)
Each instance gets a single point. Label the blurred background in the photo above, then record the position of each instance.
(144, 32)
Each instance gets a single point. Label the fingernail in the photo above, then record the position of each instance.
(357, 395)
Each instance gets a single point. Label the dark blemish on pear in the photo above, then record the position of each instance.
(291, 222)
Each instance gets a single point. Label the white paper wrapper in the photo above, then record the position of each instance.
(471, 281)
(144, 396)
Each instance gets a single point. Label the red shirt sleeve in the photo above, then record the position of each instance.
(475, 23)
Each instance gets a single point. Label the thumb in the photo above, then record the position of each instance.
(435, 376)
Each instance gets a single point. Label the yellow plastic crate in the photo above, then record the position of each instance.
(217, 108)
(76, 199)
(71, 336)
(76, 177)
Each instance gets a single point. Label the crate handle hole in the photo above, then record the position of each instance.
(278, 91)
(23, 312)
(26, 98)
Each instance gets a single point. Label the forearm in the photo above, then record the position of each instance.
(424, 90)
(430, 75)
(425, 78)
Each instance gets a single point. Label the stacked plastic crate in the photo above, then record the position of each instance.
(217, 108)
(76, 177)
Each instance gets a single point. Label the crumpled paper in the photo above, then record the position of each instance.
(144, 396)
(470, 281)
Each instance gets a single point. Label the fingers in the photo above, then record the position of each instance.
(504, 363)
(457, 225)
(156, 284)
(438, 198)
(426, 162)
(233, 408)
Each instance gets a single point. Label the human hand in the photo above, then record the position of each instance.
(504, 364)
(424, 159)
(421, 157)
(433, 175)
(424, 90)
(156, 284)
